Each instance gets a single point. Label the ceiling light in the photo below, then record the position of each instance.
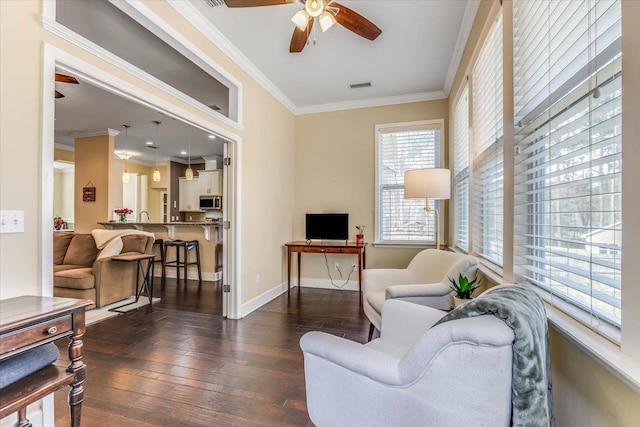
(314, 7)
(184, 153)
(125, 174)
(327, 21)
(301, 19)
(156, 172)
(189, 172)
(212, 137)
(149, 142)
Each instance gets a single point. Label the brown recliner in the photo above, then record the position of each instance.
(79, 274)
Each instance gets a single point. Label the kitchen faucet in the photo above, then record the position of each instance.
(140, 216)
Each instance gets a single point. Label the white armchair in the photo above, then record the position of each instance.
(456, 374)
(425, 281)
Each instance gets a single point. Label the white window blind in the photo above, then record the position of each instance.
(487, 129)
(461, 169)
(402, 148)
(568, 164)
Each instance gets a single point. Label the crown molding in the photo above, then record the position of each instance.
(373, 102)
(463, 36)
(64, 147)
(94, 132)
(198, 20)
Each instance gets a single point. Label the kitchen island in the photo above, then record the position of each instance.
(210, 246)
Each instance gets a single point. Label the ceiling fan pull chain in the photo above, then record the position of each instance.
(314, 35)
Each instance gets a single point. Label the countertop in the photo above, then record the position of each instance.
(163, 224)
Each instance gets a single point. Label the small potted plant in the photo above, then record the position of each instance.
(122, 213)
(463, 289)
(360, 235)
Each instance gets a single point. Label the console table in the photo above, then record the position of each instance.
(27, 322)
(350, 248)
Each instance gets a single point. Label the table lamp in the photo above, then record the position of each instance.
(434, 183)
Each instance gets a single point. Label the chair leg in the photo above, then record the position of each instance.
(198, 261)
(371, 329)
(178, 264)
(186, 264)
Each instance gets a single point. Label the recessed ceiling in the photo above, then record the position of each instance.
(417, 53)
(87, 108)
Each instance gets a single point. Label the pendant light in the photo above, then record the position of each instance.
(156, 172)
(189, 172)
(125, 174)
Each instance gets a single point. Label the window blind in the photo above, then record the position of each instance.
(568, 164)
(461, 170)
(400, 149)
(487, 130)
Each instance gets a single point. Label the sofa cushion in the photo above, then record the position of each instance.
(60, 244)
(64, 267)
(134, 243)
(82, 250)
(113, 248)
(78, 278)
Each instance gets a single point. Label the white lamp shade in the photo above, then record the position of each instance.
(326, 21)
(156, 175)
(125, 177)
(431, 183)
(314, 7)
(301, 19)
(188, 174)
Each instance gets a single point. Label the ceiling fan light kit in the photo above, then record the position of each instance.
(328, 13)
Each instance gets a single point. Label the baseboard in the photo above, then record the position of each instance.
(312, 282)
(262, 299)
(192, 274)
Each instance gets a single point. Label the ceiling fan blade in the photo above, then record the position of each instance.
(299, 37)
(59, 95)
(254, 3)
(66, 79)
(355, 22)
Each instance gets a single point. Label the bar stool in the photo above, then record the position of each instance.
(161, 260)
(185, 246)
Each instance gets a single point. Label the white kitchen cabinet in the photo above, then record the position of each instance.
(210, 183)
(189, 195)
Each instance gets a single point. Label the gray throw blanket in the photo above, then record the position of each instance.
(522, 310)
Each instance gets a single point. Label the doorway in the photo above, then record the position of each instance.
(56, 60)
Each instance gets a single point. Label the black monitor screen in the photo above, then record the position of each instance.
(327, 226)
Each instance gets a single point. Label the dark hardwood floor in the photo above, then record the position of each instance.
(184, 365)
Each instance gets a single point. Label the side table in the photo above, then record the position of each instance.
(147, 283)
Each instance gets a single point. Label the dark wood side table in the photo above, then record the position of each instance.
(147, 282)
(351, 248)
(27, 322)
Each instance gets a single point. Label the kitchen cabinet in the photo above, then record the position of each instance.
(210, 183)
(189, 195)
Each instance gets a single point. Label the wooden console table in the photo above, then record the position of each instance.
(350, 248)
(27, 322)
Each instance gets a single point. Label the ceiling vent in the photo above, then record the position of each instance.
(214, 3)
(215, 107)
(360, 85)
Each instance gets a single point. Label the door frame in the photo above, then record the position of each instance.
(53, 58)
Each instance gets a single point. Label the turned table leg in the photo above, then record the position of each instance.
(78, 368)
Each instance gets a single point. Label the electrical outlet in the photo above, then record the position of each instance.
(353, 267)
(336, 266)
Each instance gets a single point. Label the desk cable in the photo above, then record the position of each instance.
(326, 263)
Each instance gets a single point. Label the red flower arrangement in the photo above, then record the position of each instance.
(58, 222)
(122, 213)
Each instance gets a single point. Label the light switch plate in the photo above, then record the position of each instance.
(11, 222)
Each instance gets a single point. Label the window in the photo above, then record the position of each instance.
(402, 147)
(486, 84)
(461, 170)
(568, 161)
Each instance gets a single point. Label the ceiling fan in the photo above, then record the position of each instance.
(328, 13)
(63, 78)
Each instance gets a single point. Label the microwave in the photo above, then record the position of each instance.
(210, 203)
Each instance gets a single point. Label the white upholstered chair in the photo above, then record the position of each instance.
(457, 373)
(425, 281)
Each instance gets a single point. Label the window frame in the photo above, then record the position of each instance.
(440, 123)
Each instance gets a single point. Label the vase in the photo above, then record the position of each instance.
(457, 302)
(122, 217)
(359, 239)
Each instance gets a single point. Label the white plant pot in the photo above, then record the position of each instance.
(458, 301)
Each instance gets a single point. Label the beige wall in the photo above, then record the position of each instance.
(266, 161)
(335, 172)
(585, 394)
